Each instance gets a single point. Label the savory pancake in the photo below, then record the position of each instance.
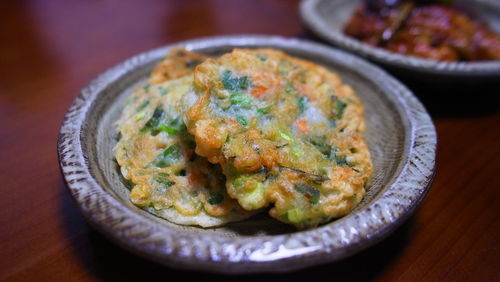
(155, 153)
(177, 63)
(286, 132)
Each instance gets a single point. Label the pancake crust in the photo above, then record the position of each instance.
(286, 132)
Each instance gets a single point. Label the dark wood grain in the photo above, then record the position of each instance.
(51, 49)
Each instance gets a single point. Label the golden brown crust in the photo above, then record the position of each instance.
(178, 63)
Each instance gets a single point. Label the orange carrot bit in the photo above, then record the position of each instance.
(233, 121)
(302, 125)
(258, 91)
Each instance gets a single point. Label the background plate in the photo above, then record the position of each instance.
(327, 19)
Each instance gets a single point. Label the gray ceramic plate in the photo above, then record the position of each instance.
(400, 134)
(327, 19)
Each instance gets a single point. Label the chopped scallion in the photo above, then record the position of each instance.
(168, 157)
(262, 57)
(234, 83)
(338, 108)
(215, 199)
(310, 192)
(242, 120)
(143, 106)
(241, 99)
(264, 110)
(286, 136)
(302, 103)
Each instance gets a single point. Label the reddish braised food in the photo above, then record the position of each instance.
(436, 31)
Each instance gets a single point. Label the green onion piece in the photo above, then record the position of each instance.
(286, 136)
(309, 191)
(320, 143)
(154, 121)
(146, 88)
(294, 215)
(329, 151)
(168, 129)
(338, 108)
(238, 182)
(302, 103)
(262, 57)
(255, 197)
(242, 99)
(158, 123)
(264, 110)
(140, 115)
(242, 120)
(234, 83)
(168, 157)
(162, 179)
(215, 199)
(341, 160)
(178, 124)
(296, 152)
(143, 106)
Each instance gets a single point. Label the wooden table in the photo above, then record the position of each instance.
(51, 49)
